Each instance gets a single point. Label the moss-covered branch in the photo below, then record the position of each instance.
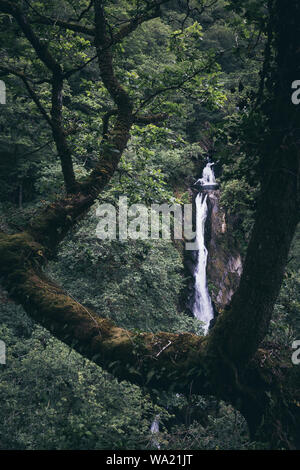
(165, 361)
(158, 360)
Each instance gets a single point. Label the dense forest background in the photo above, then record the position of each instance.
(199, 64)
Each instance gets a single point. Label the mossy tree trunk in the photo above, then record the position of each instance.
(229, 363)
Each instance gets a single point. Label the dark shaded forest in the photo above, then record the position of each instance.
(101, 99)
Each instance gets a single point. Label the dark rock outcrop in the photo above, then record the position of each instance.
(224, 263)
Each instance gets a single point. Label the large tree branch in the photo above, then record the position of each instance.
(278, 210)
(102, 43)
(59, 134)
(164, 361)
(141, 119)
(113, 147)
(40, 48)
(151, 11)
(161, 91)
(85, 11)
(55, 122)
(129, 355)
(76, 27)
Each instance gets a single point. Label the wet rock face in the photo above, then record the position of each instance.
(224, 264)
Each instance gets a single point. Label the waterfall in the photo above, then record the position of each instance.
(208, 176)
(155, 429)
(202, 309)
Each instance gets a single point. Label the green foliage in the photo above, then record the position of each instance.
(50, 183)
(225, 429)
(136, 283)
(155, 166)
(52, 398)
(238, 201)
(202, 70)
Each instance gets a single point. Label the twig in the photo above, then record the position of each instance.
(165, 347)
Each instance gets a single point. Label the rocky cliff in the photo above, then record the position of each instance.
(224, 264)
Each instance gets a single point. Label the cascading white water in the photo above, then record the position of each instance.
(155, 424)
(208, 176)
(155, 429)
(203, 309)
